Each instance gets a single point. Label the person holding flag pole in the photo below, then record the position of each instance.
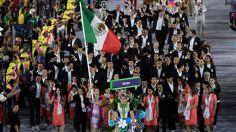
(95, 31)
(86, 52)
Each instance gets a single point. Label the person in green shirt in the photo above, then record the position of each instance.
(33, 20)
(8, 19)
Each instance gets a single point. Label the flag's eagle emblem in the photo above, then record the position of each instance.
(99, 29)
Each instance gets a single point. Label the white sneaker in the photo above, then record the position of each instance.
(37, 127)
(32, 128)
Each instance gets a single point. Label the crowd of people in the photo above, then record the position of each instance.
(44, 67)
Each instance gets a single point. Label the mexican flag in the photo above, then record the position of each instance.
(96, 31)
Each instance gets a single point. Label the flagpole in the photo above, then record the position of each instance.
(86, 50)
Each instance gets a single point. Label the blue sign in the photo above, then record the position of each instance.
(125, 83)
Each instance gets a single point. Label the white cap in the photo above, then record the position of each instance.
(1, 29)
(31, 11)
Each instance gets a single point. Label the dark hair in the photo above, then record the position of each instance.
(169, 75)
(194, 32)
(107, 11)
(209, 56)
(160, 11)
(168, 55)
(151, 88)
(123, 95)
(182, 80)
(160, 83)
(179, 65)
(145, 50)
(209, 89)
(131, 59)
(194, 91)
(159, 59)
(55, 92)
(74, 86)
(211, 60)
(206, 83)
(96, 88)
(182, 8)
(58, 85)
(212, 77)
(154, 76)
(73, 33)
(38, 75)
(138, 56)
(70, 62)
(143, 78)
(205, 50)
(180, 43)
(15, 104)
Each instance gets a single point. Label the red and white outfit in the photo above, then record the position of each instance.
(58, 116)
(209, 102)
(72, 105)
(182, 91)
(105, 99)
(190, 113)
(151, 111)
(46, 110)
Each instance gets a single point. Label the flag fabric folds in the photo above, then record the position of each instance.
(96, 31)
